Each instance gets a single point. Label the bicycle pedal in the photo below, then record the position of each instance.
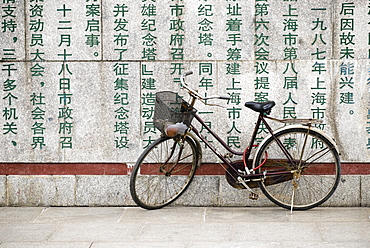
(253, 196)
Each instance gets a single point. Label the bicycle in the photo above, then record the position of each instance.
(296, 166)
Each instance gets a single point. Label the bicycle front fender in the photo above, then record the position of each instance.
(321, 132)
(199, 148)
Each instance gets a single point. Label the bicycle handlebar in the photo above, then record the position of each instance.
(194, 93)
(188, 73)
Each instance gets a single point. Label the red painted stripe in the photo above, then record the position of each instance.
(121, 169)
(63, 169)
(355, 169)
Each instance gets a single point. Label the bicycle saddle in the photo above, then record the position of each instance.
(261, 107)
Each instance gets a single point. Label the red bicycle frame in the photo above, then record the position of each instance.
(260, 120)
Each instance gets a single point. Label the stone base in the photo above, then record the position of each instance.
(113, 190)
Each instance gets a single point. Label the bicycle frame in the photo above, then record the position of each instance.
(260, 120)
(295, 158)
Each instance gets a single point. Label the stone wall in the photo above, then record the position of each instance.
(83, 190)
(79, 77)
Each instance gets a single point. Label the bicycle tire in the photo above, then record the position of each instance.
(163, 172)
(315, 160)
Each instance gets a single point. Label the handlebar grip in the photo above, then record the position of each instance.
(188, 73)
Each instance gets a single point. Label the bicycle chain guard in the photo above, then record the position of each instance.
(231, 176)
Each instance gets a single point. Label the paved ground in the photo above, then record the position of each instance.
(183, 227)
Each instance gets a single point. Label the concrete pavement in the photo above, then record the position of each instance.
(103, 227)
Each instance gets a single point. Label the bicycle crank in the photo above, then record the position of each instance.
(252, 195)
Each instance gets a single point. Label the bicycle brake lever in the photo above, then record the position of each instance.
(225, 97)
(212, 104)
(217, 97)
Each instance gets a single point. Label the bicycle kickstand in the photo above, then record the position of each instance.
(252, 195)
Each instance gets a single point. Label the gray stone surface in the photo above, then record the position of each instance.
(203, 191)
(316, 35)
(2, 190)
(365, 191)
(183, 227)
(103, 191)
(348, 192)
(41, 190)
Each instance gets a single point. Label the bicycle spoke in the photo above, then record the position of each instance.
(316, 168)
(158, 177)
(319, 156)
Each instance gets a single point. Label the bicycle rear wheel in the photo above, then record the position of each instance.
(163, 172)
(315, 163)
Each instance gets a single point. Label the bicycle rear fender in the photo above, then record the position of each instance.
(321, 132)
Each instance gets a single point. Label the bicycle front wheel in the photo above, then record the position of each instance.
(163, 172)
(314, 166)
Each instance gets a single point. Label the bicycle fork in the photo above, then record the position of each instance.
(168, 172)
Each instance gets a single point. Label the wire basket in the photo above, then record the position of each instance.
(169, 109)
